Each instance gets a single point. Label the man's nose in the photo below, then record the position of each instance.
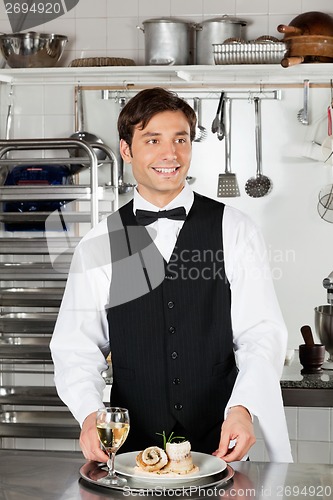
(169, 151)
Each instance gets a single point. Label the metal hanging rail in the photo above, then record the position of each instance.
(248, 95)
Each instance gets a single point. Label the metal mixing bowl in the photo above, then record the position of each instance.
(31, 49)
(324, 327)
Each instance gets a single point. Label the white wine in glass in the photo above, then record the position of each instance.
(112, 426)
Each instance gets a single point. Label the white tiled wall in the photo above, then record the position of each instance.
(310, 433)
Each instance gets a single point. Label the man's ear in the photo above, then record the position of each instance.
(125, 151)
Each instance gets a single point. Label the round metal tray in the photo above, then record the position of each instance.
(92, 472)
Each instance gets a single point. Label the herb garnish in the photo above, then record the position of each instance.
(170, 439)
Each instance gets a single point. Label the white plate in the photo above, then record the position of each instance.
(208, 466)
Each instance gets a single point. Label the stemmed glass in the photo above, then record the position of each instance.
(112, 426)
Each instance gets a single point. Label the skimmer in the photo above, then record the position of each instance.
(260, 185)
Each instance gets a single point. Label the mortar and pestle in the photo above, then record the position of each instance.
(311, 355)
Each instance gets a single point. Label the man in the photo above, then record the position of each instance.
(184, 302)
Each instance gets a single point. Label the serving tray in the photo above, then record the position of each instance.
(91, 472)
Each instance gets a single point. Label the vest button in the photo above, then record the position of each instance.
(172, 329)
(178, 406)
(174, 355)
(176, 381)
(171, 304)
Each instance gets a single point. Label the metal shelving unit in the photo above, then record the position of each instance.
(31, 288)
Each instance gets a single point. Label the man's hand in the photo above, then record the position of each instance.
(89, 441)
(237, 426)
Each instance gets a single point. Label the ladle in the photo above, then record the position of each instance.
(260, 185)
(123, 187)
(303, 114)
(82, 134)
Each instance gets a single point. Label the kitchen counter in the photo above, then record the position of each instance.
(55, 476)
(306, 390)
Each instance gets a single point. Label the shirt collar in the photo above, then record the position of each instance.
(184, 199)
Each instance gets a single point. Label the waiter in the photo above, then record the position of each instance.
(177, 287)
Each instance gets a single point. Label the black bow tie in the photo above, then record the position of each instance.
(145, 217)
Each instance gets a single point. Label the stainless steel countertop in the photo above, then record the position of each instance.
(41, 475)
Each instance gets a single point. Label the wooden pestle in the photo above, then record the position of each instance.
(307, 335)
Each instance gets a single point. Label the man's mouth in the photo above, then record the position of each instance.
(164, 170)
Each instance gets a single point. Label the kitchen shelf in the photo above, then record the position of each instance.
(39, 424)
(37, 245)
(31, 297)
(49, 193)
(25, 395)
(126, 76)
(16, 217)
(27, 323)
(24, 354)
(33, 272)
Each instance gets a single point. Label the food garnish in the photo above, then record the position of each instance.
(170, 439)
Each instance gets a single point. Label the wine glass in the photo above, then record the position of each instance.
(112, 426)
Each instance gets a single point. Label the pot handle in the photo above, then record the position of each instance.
(291, 61)
(139, 28)
(289, 30)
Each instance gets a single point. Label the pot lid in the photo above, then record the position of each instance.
(226, 19)
(164, 20)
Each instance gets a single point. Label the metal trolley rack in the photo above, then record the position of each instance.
(31, 288)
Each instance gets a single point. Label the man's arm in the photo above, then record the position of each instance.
(259, 332)
(80, 342)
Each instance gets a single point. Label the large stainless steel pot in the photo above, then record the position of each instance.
(215, 30)
(167, 41)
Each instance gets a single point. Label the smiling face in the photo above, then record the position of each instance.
(160, 155)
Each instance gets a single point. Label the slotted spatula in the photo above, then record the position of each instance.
(227, 184)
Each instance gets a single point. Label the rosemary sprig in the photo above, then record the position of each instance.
(170, 439)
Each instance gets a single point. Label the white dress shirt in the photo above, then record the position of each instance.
(80, 342)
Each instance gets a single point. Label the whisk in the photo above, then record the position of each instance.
(325, 203)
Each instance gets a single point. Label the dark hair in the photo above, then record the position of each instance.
(141, 108)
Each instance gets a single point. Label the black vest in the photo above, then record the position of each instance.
(171, 345)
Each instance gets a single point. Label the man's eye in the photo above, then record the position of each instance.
(152, 141)
(181, 140)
